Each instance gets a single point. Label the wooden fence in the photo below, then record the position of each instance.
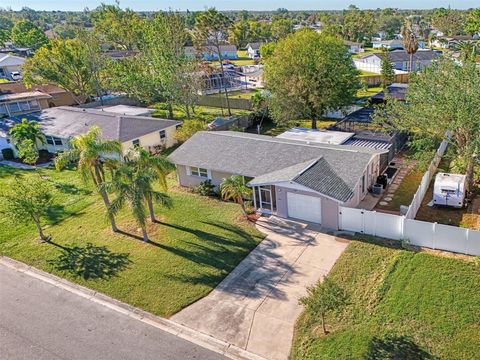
(221, 102)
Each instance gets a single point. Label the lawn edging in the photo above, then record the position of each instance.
(171, 327)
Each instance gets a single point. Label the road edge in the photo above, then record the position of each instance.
(182, 331)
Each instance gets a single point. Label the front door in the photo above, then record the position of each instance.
(266, 203)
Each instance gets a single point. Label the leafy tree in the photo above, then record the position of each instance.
(387, 70)
(307, 75)
(121, 28)
(448, 21)
(161, 72)
(70, 64)
(410, 42)
(440, 98)
(323, 298)
(143, 160)
(132, 186)
(27, 151)
(210, 28)
(188, 129)
(472, 23)
(25, 200)
(25, 33)
(281, 28)
(358, 24)
(27, 131)
(234, 188)
(89, 152)
(239, 33)
(266, 50)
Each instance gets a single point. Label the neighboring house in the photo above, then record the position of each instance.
(253, 50)
(253, 75)
(10, 64)
(128, 110)
(396, 91)
(399, 58)
(354, 47)
(16, 99)
(446, 42)
(387, 44)
(60, 124)
(289, 178)
(209, 53)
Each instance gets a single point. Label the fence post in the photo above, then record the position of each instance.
(374, 223)
(363, 221)
(434, 229)
(402, 233)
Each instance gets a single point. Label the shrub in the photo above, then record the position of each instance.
(206, 188)
(8, 154)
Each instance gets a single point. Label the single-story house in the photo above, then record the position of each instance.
(387, 44)
(16, 99)
(292, 179)
(400, 60)
(446, 42)
(60, 124)
(209, 52)
(354, 47)
(397, 91)
(253, 50)
(9, 64)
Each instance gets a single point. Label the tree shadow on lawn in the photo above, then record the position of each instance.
(57, 213)
(90, 261)
(258, 275)
(396, 347)
(71, 189)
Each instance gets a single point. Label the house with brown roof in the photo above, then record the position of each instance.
(17, 99)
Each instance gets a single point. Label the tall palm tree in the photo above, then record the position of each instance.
(468, 50)
(234, 188)
(27, 130)
(144, 160)
(133, 186)
(410, 41)
(89, 151)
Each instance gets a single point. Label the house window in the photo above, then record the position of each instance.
(52, 140)
(199, 172)
(3, 109)
(33, 104)
(136, 143)
(163, 134)
(363, 184)
(13, 107)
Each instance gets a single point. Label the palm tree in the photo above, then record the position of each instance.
(410, 41)
(27, 130)
(234, 188)
(89, 151)
(133, 186)
(144, 160)
(468, 50)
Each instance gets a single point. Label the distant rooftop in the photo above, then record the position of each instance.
(128, 110)
(316, 136)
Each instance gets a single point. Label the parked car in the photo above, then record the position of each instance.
(15, 75)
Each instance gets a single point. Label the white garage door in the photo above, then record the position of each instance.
(304, 207)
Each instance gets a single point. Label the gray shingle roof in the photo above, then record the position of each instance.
(66, 122)
(285, 174)
(420, 55)
(256, 155)
(323, 179)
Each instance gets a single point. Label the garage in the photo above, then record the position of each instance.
(304, 207)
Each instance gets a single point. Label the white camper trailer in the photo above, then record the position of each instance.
(449, 190)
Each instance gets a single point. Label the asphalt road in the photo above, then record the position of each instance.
(39, 321)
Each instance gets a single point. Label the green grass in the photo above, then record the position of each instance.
(405, 192)
(202, 113)
(198, 242)
(368, 73)
(402, 305)
(242, 60)
(369, 92)
(243, 94)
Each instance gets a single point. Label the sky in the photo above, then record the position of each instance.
(239, 4)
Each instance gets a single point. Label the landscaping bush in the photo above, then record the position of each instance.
(8, 154)
(206, 188)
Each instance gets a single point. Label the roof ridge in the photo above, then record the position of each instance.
(272, 139)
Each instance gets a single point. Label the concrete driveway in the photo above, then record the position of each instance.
(255, 307)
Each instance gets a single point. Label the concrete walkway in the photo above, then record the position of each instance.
(23, 166)
(255, 307)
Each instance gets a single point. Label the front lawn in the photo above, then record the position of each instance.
(198, 242)
(402, 305)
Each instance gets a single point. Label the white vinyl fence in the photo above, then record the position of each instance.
(415, 232)
(419, 233)
(425, 183)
